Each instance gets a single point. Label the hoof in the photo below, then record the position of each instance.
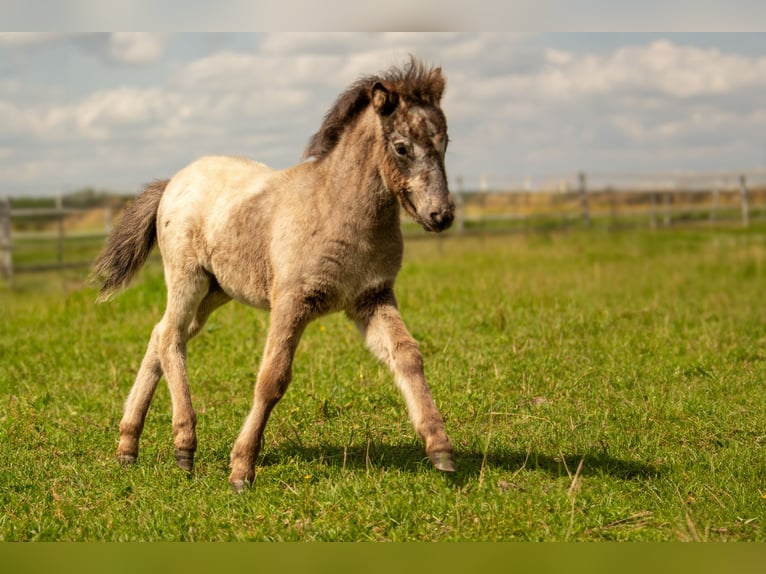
(126, 460)
(240, 481)
(185, 459)
(238, 486)
(442, 461)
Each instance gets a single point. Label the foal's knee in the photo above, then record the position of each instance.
(270, 391)
(171, 341)
(273, 381)
(407, 357)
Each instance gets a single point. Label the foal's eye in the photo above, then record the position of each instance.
(400, 149)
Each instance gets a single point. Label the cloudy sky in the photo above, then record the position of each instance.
(113, 110)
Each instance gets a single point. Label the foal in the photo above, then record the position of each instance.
(319, 237)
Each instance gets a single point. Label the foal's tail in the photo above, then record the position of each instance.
(130, 243)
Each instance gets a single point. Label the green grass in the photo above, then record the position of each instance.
(596, 385)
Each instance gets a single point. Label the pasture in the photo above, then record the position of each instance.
(596, 385)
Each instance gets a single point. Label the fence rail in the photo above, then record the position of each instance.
(6, 245)
(578, 200)
(48, 249)
(618, 202)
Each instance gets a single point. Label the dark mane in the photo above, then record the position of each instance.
(415, 83)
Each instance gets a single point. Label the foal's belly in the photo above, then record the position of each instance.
(243, 271)
(237, 240)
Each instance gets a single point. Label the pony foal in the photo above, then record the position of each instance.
(319, 237)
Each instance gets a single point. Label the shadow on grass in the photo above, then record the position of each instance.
(412, 459)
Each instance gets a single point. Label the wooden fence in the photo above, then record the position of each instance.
(646, 201)
(51, 246)
(6, 246)
(653, 201)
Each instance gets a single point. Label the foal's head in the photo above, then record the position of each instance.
(411, 139)
(414, 132)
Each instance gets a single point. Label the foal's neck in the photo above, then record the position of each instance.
(352, 172)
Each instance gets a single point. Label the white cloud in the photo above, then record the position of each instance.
(661, 69)
(513, 108)
(284, 44)
(24, 39)
(233, 71)
(136, 47)
(564, 110)
(112, 47)
(682, 71)
(109, 114)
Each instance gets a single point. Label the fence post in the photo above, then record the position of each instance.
(745, 204)
(459, 215)
(583, 190)
(653, 210)
(60, 226)
(666, 205)
(6, 246)
(612, 206)
(714, 208)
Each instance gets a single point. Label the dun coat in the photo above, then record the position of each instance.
(319, 237)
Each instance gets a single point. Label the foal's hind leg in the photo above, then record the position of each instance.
(377, 317)
(166, 353)
(137, 404)
(140, 397)
(189, 305)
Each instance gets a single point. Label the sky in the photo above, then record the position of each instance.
(116, 110)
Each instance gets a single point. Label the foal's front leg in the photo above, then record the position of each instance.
(378, 319)
(274, 375)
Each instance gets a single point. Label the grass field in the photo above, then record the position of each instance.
(596, 385)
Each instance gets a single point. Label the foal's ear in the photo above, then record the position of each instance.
(383, 100)
(436, 83)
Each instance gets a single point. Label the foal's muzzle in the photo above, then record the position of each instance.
(441, 219)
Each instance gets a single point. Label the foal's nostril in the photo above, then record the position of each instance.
(442, 219)
(437, 217)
